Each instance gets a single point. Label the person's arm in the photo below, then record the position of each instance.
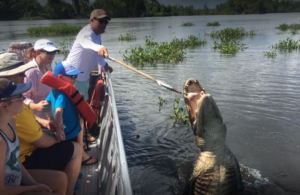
(49, 124)
(60, 135)
(45, 141)
(16, 190)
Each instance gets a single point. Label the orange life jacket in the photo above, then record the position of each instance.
(81, 104)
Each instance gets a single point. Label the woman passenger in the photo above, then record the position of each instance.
(14, 178)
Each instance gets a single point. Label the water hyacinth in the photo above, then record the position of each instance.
(54, 30)
(271, 54)
(188, 24)
(130, 36)
(228, 46)
(287, 44)
(165, 52)
(236, 33)
(213, 24)
(284, 27)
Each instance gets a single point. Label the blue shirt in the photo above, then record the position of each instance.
(59, 99)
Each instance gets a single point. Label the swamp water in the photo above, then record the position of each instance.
(258, 98)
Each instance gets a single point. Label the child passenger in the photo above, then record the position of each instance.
(65, 112)
(14, 178)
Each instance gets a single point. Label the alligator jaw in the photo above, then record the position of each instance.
(193, 90)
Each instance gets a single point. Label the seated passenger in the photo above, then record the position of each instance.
(65, 111)
(37, 149)
(14, 178)
(40, 56)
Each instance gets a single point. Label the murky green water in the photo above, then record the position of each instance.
(257, 97)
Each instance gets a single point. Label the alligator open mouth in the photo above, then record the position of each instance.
(193, 90)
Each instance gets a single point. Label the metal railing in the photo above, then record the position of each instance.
(113, 170)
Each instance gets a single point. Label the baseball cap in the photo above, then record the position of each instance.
(65, 68)
(99, 13)
(44, 44)
(12, 89)
(11, 64)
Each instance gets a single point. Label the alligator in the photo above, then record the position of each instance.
(216, 170)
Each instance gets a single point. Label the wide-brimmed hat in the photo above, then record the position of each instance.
(11, 64)
(12, 89)
(45, 44)
(65, 68)
(99, 13)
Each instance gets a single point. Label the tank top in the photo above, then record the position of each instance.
(12, 168)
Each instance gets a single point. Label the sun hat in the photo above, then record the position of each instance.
(44, 44)
(11, 64)
(65, 68)
(99, 13)
(12, 89)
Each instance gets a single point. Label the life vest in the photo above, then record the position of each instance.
(81, 104)
(97, 96)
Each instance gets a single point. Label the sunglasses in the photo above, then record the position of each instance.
(49, 52)
(72, 76)
(102, 21)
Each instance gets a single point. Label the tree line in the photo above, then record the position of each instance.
(60, 9)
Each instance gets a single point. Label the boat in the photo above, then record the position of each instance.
(110, 176)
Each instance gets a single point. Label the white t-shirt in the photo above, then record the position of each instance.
(84, 53)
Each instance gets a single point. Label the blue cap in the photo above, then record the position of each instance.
(12, 89)
(65, 68)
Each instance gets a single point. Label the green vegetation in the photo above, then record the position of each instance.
(62, 9)
(179, 115)
(271, 54)
(161, 102)
(164, 52)
(287, 44)
(130, 36)
(232, 33)
(213, 24)
(65, 46)
(188, 24)
(54, 30)
(285, 27)
(228, 46)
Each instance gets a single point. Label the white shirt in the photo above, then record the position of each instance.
(84, 53)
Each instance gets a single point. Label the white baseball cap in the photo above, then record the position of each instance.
(44, 44)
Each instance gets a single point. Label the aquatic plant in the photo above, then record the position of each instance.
(228, 46)
(65, 46)
(271, 54)
(285, 27)
(161, 102)
(236, 33)
(54, 30)
(213, 24)
(294, 31)
(179, 115)
(188, 24)
(164, 52)
(287, 44)
(130, 36)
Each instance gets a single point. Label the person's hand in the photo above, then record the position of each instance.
(103, 52)
(60, 135)
(42, 188)
(108, 68)
(42, 106)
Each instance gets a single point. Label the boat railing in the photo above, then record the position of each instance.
(113, 169)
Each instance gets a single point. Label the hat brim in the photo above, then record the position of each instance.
(21, 88)
(103, 16)
(16, 71)
(50, 49)
(74, 72)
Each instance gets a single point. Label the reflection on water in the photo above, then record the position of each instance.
(257, 97)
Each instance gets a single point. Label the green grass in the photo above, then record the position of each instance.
(54, 30)
(232, 33)
(165, 52)
(130, 36)
(188, 24)
(213, 24)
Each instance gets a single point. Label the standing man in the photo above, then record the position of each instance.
(87, 50)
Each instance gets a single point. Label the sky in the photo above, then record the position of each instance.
(196, 3)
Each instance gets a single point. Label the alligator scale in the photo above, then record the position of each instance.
(216, 170)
